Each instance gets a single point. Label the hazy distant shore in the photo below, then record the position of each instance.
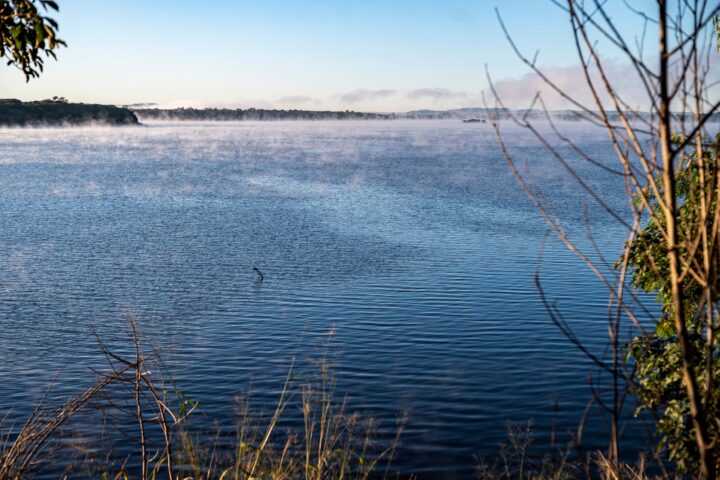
(257, 114)
(59, 112)
(225, 114)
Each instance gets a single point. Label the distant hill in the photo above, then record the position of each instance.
(226, 114)
(59, 112)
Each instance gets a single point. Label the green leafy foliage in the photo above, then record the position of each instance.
(657, 357)
(660, 389)
(26, 34)
(648, 259)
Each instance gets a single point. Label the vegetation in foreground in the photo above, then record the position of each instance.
(657, 354)
(155, 420)
(668, 162)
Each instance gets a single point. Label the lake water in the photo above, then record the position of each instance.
(403, 250)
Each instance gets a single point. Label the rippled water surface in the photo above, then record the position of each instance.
(405, 251)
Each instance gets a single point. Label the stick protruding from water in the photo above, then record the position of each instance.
(261, 277)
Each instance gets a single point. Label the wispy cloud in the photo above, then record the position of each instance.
(296, 100)
(365, 94)
(142, 105)
(181, 103)
(519, 92)
(364, 99)
(435, 94)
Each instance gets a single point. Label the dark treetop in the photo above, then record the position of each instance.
(57, 111)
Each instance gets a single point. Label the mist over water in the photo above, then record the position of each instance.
(404, 249)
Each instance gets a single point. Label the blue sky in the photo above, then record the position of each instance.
(387, 55)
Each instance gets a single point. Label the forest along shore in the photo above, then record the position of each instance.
(59, 112)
